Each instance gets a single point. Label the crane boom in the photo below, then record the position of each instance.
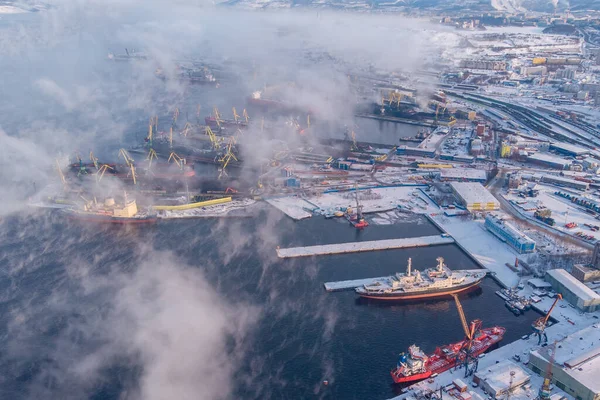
(463, 320)
(558, 297)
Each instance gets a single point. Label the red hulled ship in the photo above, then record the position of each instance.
(416, 365)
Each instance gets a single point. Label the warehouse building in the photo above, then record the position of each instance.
(566, 182)
(573, 291)
(474, 196)
(506, 232)
(549, 161)
(576, 363)
(496, 379)
(568, 149)
(463, 174)
(415, 151)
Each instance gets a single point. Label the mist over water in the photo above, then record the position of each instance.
(193, 309)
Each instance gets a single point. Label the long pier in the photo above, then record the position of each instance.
(356, 247)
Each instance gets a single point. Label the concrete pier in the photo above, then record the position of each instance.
(356, 247)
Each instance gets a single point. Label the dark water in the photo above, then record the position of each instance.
(375, 131)
(302, 337)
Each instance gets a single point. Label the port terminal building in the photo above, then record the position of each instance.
(508, 233)
(463, 175)
(576, 363)
(474, 196)
(496, 380)
(574, 291)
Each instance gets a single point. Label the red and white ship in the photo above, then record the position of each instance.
(416, 365)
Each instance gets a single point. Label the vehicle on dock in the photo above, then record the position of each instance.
(431, 283)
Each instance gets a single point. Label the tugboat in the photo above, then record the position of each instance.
(431, 283)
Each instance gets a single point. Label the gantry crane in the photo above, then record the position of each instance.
(465, 356)
(151, 156)
(130, 163)
(150, 132)
(94, 160)
(226, 159)
(186, 129)
(217, 116)
(216, 143)
(101, 171)
(539, 325)
(60, 173)
(176, 159)
(175, 116)
(354, 145)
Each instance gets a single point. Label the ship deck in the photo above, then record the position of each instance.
(356, 247)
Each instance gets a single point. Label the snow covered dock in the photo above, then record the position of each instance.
(355, 247)
(351, 284)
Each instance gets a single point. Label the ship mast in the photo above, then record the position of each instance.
(409, 267)
(440, 261)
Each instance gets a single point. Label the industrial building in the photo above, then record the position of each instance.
(573, 291)
(509, 234)
(584, 273)
(414, 151)
(566, 182)
(549, 161)
(575, 363)
(474, 196)
(463, 175)
(499, 379)
(568, 149)
(484, 64)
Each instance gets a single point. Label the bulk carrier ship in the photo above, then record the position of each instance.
(431, 283)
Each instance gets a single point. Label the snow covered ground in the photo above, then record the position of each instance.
(563, 211)
(483, 245)
(292, 206)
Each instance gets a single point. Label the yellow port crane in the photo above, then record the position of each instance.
(226, 159)
(61, 175)
(354, 145)
(151, 156)
(216, 143)
(245, 115)
(236, 117)
(217, 116)
(175, 116)
(130, 163)
(186, 129)
(94, 160)
(470, 331)
(101, 171)
(176, 159)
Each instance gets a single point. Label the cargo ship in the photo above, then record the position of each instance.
(416, 365)
(215, 123)
(110, 212)
(431, 283)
